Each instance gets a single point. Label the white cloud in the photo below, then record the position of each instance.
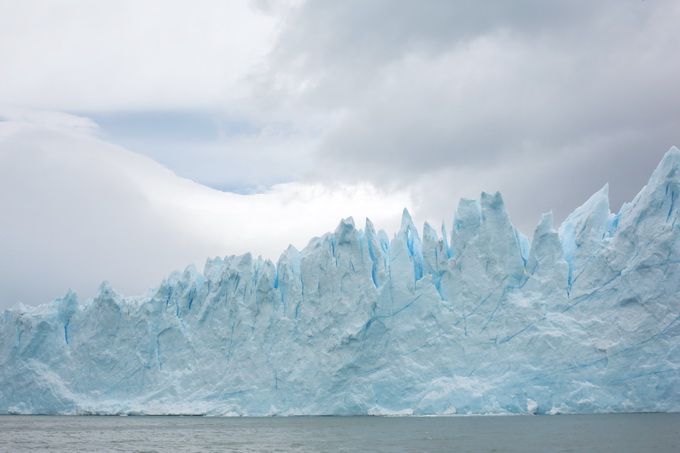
(77, 210)
(78, 55)
(50, 120)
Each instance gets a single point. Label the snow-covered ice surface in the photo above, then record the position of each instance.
(478, 320)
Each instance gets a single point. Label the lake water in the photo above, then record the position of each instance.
(559, 433)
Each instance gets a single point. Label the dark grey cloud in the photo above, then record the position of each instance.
(424, 91)
(332, 34)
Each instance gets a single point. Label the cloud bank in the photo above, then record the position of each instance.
(78, 210)
(543, 101)
(419, 103)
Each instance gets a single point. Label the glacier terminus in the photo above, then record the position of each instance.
(476, 320)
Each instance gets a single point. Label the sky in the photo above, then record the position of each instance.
(137, 137)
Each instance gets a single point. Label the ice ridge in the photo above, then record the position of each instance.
(475, 320)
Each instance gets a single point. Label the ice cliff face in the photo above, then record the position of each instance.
(478, 320)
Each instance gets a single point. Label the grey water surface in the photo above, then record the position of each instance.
(557, 433)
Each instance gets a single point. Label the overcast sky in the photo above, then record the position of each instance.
(274, 119)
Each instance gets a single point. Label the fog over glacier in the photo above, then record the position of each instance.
(78, 210)
(474, 319)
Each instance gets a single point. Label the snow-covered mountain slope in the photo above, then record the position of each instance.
(478, 320)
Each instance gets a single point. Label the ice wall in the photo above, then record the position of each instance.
(476, 320)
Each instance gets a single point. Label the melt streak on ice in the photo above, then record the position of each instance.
(477, 320)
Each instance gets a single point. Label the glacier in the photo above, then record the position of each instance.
(476, 320)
